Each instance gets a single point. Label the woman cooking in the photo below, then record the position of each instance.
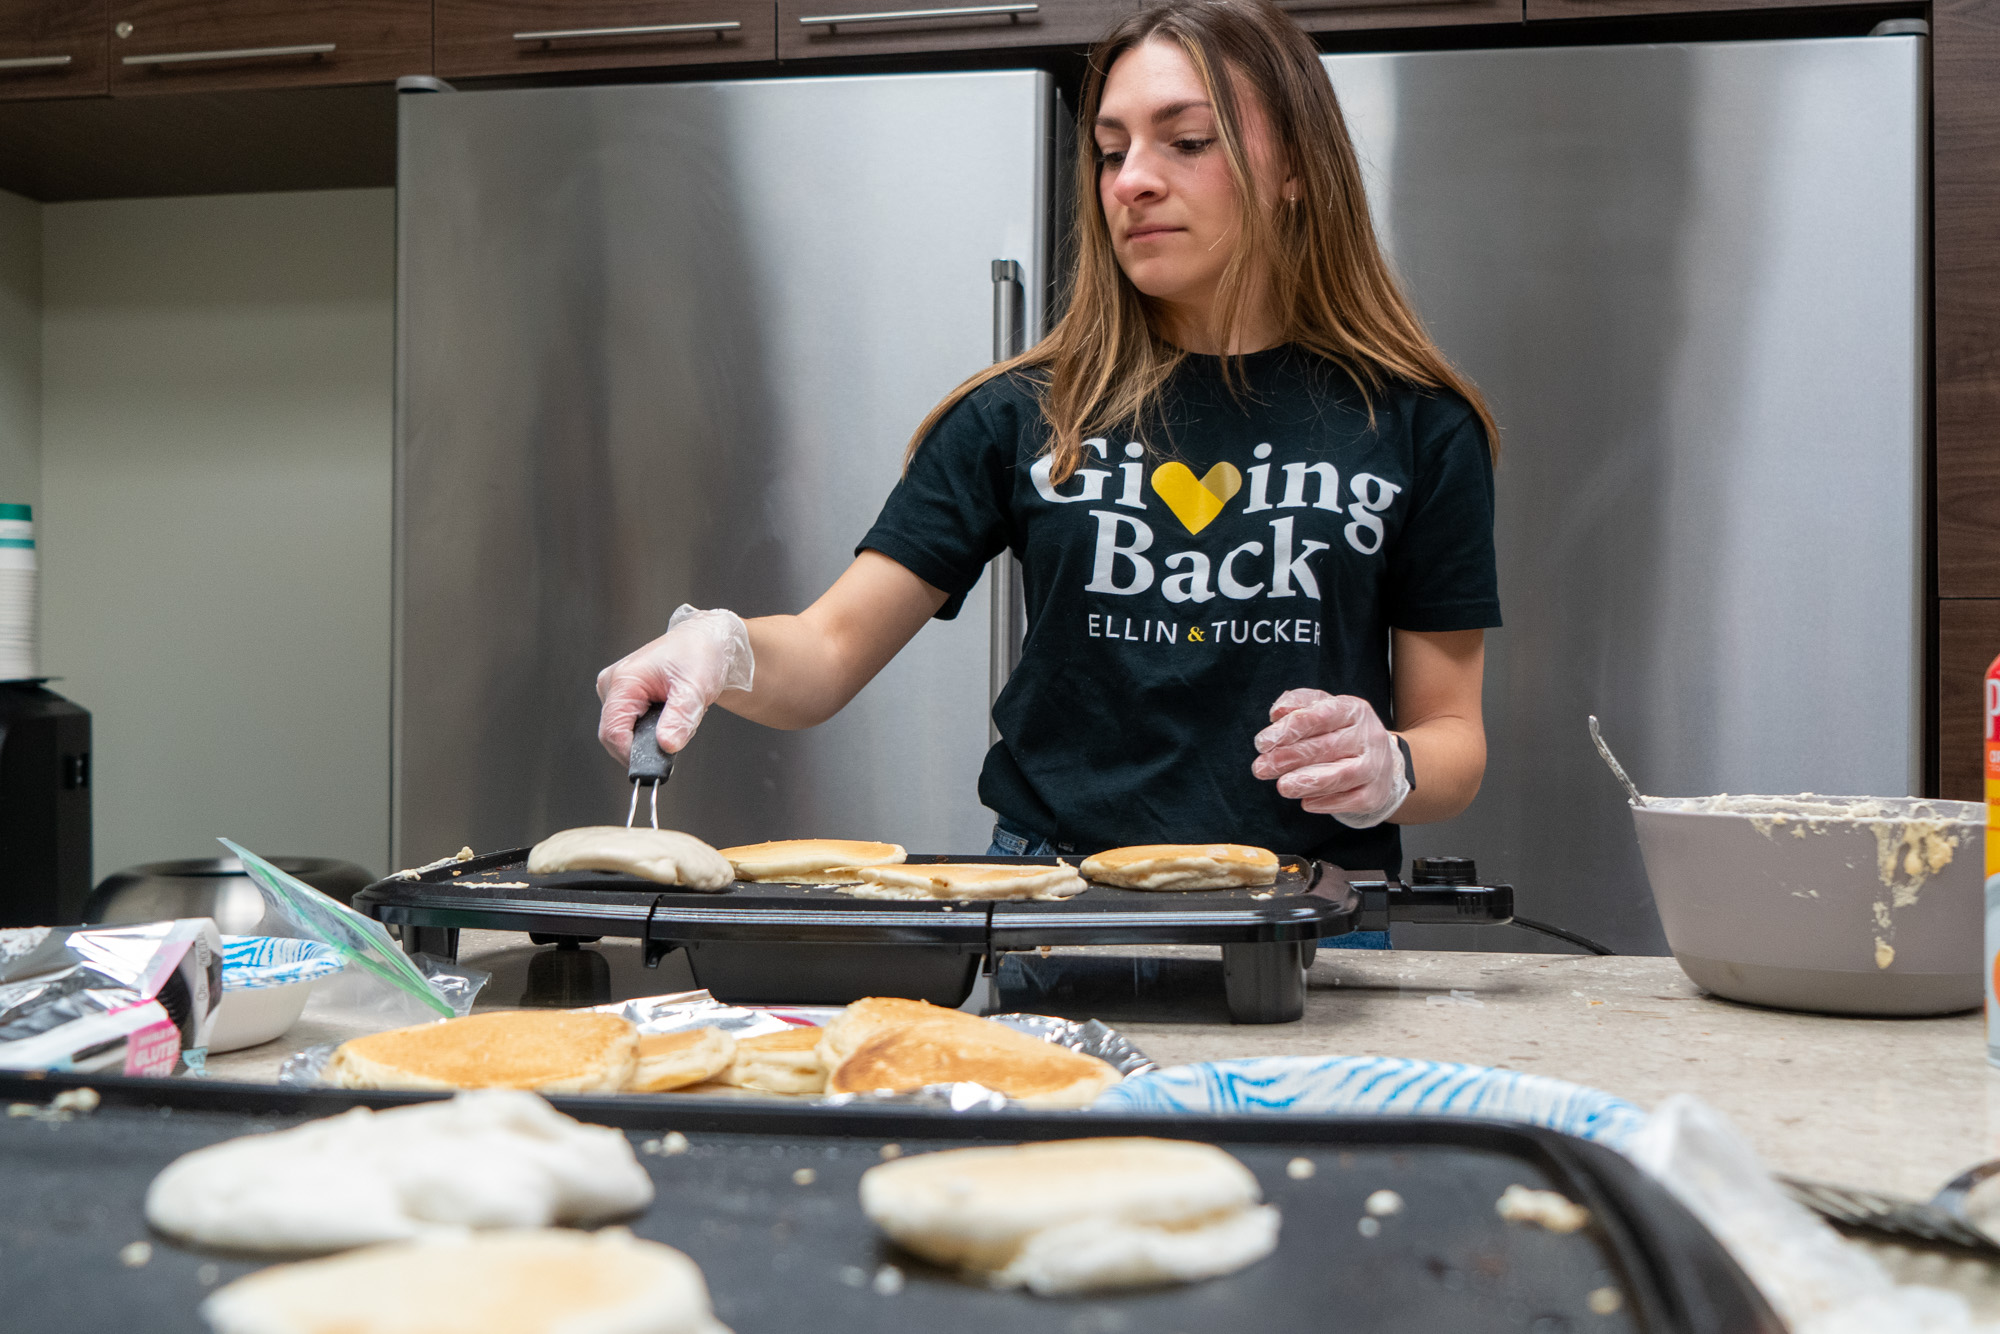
(1252, 501)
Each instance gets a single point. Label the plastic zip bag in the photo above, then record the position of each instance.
(390, 981)
(1817, 1282)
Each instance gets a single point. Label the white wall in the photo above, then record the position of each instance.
(20, 349)
(216, 454)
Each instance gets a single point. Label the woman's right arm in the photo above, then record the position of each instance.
(807, 667)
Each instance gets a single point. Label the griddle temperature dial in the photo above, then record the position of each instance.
(1443, 871)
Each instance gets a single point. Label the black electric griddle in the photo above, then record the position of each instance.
(782, 1257)
(753, 942)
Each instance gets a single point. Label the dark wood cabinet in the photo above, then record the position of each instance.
(509, 37)
(169, 46)
(809, 28)
(52, 48)
(1965, 260)
(1968, 641)
(1338, 15)
(1611, 9)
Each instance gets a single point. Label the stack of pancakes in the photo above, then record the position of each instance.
(879, 1045)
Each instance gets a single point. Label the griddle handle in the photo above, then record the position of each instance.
(1447, 905)
(649, 764)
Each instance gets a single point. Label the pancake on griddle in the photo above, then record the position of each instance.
(665, 856)
(967, 880)
(1183, 866)
(1076, 1215)
(549, 1051)
(811, 861)
(526, 1281)
(675, 1060)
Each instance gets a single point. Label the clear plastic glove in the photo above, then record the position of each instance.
(1332, 755)
(702, 654)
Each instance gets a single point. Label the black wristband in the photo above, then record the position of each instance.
(1409, 765)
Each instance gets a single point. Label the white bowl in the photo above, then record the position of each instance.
(266, 981)
(246, 1018)
(1844, 905)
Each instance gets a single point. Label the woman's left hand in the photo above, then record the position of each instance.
(1332, 754)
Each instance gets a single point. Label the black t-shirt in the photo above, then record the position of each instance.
(1187, 575)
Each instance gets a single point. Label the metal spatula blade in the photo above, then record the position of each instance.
(650, 766)
(1891, 1215)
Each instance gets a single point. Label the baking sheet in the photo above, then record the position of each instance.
(787, 1250)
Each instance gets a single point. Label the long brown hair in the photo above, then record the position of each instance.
(1316, 262)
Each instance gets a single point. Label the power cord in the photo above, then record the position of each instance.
(1582, 942)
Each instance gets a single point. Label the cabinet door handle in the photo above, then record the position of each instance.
(641, 30)
(1308, 6)
(247, 53)
(919, 15)
(36, 62)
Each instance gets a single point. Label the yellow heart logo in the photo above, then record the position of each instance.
(1196, 503)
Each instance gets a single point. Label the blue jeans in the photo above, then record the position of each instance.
(1010, 840)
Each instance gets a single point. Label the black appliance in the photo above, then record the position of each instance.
(760, 943)
(44, 806)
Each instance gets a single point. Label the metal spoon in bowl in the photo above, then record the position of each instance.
(1616, 767)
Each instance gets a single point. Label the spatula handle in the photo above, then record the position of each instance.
(649, 763)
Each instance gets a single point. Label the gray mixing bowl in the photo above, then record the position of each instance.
(1845, 905)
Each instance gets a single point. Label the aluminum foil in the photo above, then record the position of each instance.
(302, 1068)
(697, 1009)
(681, 1010)
(1090, 1037)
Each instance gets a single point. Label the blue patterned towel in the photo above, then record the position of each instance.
(252, 963)
(1377, 1086)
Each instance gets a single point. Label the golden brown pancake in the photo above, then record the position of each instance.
(549, 1051)
(1182, 866)
(813, 861)
(968, 880)
(786, 1062)
(675, 1060)
(923, 1049)
(866, 1019)
(529, 1281)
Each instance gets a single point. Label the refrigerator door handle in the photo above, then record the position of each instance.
(1005, 593)
(1010, 310)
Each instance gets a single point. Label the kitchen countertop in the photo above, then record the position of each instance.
(1899, 1105)
(1893, 1104)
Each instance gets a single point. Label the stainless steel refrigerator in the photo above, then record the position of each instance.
(1691, 278)
(666, 343)
(663, 344)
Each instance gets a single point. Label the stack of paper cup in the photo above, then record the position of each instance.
(20, 585)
